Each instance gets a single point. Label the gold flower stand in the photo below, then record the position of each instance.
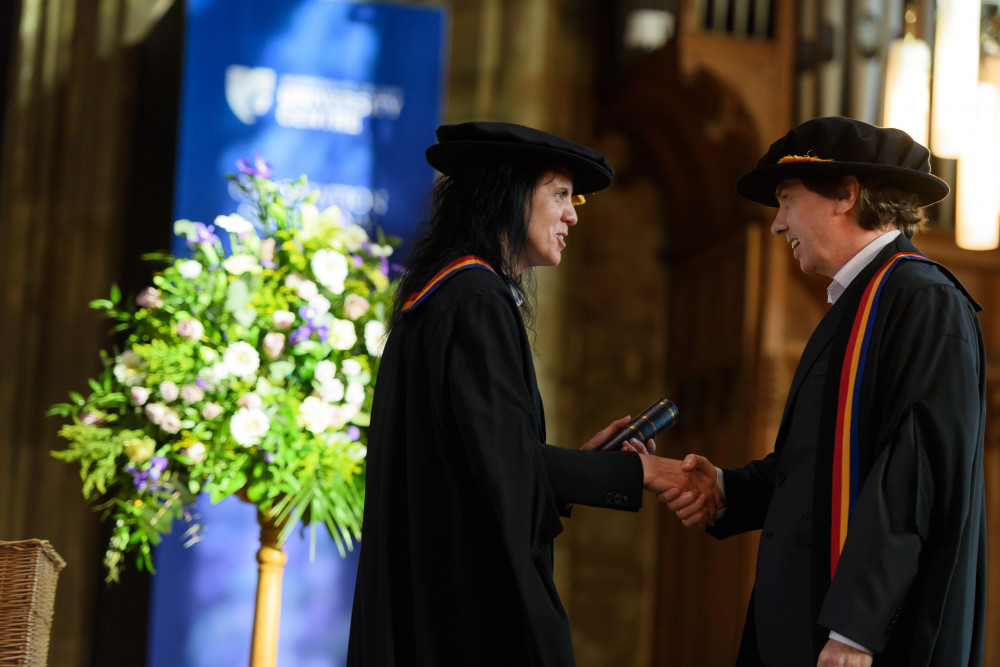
(271, 560)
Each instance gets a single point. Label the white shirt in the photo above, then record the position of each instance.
(850, 271)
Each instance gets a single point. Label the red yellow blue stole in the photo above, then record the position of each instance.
(846, 456)
(460, 264)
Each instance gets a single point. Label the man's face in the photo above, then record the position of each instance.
(811, 226)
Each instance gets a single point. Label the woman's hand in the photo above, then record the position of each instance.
(633, 445)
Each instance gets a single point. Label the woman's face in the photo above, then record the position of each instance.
(552, 214)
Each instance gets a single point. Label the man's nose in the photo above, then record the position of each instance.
(778, 226)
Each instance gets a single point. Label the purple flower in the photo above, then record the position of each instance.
(268, 457)
(358, 260)
(157, 465)
(384, 266)
(308, 313)
(204, 233)
(353, 432)
(300, 334)
(143, 478)
(258, 168)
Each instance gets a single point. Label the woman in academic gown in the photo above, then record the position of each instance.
(463, 498)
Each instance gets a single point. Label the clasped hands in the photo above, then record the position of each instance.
(688, 487)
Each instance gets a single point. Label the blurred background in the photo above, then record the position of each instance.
(671, 286)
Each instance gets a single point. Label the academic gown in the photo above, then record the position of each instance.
(910, 583)
(463, 498)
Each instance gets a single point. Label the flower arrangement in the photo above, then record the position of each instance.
(246, 368)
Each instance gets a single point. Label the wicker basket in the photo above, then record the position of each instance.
(28, 573)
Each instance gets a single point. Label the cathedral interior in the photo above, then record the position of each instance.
(673, 287)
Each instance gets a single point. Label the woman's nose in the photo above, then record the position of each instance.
(570, 217)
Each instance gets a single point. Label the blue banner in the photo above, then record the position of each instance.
(348, 94)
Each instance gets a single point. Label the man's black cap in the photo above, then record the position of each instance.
(459, 144)
(837, 146)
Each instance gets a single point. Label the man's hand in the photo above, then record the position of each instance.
(692, 507)
(837, 654)
(696, 485)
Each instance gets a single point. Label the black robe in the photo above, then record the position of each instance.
(910, 583)
(463, 498)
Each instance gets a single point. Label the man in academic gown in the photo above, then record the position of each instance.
(871, 506)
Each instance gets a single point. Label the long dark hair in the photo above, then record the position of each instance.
(483, 210)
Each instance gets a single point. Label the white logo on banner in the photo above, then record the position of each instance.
(315, 103)
(250, 91)
(308, 102)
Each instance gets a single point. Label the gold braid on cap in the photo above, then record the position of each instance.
(577, 200)
(802, 158)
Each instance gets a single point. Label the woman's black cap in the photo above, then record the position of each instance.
(464, 142)
(837, 146)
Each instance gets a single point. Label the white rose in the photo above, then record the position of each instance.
(274, 343)
(355, 306)
(355, 394)
(170, 422)
(154, 412)
(331, 391)
(195, 451)
(283, 319)
(342, 334)
(350, 367)
(211, 411)
(341, 414)
(189, 269)
(315, 415)
(139, 395)
(128, 367)
(250, 401)
(320, 304)
(168, 391)
(325, 370)
(192, 393)
(330, 268)
(191, 329)
(241, 359)
(240, 264)
(306, 289)
(234, 223)
(354, 236)
(248, 427)
(214, 374)
(374, 338)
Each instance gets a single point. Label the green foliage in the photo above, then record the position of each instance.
(246, 374)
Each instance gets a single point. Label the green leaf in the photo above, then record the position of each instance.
(185, 228)
(279, 370)
(361, 419)
(256, 491)
(238, 298)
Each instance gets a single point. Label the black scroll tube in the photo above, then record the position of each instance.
(654, 419)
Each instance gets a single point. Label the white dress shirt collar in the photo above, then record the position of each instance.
(850, 271)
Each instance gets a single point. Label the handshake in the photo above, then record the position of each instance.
(688, 487)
